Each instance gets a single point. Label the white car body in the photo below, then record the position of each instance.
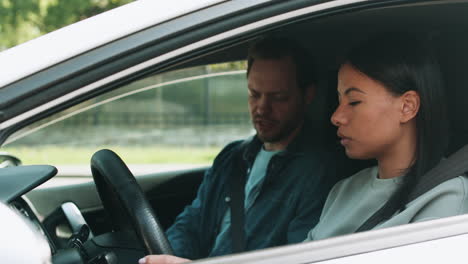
(62, 44)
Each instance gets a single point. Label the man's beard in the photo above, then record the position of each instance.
(284, 130)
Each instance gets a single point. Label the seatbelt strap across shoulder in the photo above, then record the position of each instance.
(237, 180)
(452, 167)
(449, 168)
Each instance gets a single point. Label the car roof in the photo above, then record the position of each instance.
(67, 42)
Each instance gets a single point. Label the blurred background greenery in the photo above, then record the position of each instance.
(22, 20)
(183, 116)
(179, 117)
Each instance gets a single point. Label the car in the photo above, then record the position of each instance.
(170, 74)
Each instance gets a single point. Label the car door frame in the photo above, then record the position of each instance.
(156, 49)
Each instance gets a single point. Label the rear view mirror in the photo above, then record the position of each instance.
(7, 160)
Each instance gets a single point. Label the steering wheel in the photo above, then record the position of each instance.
(125, 202)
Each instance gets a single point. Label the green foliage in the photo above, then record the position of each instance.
(215, 94)
(62, 13)
(17, 22)
(22, 20)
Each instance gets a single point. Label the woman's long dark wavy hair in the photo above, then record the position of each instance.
(402, 63)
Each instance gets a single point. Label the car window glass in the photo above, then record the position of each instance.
(179, 118)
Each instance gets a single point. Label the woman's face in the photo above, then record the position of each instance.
(368, 116)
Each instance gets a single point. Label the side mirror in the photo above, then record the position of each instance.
(7, 160)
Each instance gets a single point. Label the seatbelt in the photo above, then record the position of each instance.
(449, 168)
(237, 180)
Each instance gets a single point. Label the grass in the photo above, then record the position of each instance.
(67, 155)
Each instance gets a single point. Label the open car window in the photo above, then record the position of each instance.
(178, 119)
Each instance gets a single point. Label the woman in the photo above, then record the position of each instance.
(391, 108)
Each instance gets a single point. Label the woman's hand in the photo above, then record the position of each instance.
(162, 259)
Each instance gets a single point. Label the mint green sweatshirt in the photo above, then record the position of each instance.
(353, 200)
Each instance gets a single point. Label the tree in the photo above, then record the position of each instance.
(62, 13)
(17, 21)
(22, 20)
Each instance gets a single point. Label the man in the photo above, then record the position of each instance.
(288, 171)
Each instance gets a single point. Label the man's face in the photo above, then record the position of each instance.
(276, 103)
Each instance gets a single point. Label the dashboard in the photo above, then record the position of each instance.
(17, 181)
(24, 208)
(62, 229)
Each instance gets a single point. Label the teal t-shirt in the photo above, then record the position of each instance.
(252, 188)
(353, 200)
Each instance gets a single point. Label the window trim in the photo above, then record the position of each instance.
(354, 244)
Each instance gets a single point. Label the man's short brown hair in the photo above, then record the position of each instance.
(273, 47)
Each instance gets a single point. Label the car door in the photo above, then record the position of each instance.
(217, 35)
